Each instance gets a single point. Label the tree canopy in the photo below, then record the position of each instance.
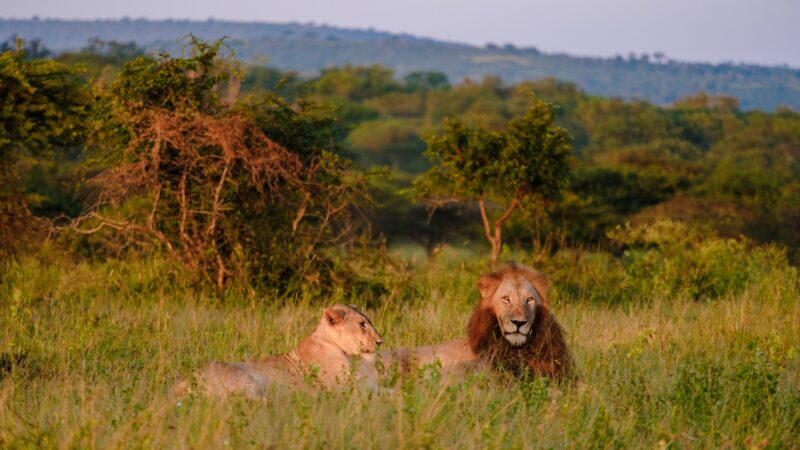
(43, 105)
(528, 160)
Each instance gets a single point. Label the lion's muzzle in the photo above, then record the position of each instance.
(516, 339)
(516, 331)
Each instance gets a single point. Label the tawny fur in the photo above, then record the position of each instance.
(345, 339)
(545, 352)
(454, 357)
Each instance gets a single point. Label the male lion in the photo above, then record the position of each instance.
(511, 328)
(328, 354)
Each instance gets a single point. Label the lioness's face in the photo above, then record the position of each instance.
(515, 302)
(352, 330)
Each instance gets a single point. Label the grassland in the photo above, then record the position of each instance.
(89, 352)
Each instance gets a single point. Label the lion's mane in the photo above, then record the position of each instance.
(544, 354)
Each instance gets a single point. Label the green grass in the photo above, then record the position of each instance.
(89, 352)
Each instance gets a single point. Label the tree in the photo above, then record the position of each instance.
(248, 190)
(43, 105)
(43, 102)
(389, 141)
(356, 83)
(32, 49)
(528, 160)
(426, 81)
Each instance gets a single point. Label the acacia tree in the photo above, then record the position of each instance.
(528, 160)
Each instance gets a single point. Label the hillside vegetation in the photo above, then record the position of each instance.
(702, 161)
(307, 48)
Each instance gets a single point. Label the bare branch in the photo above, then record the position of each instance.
(188, 163)
(507, 214)
(486, 225)
(300, 212)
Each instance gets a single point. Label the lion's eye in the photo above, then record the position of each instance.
(530, 300)
(363, 325)
(506, 299)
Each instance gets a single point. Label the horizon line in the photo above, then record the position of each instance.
(370, 29)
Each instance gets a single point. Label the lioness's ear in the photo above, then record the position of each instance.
(334, 316)
(487, 284)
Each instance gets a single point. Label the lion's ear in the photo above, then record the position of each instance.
(487, 284)
(334, 316)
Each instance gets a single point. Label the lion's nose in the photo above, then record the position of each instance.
(519, 323)
(379, 341)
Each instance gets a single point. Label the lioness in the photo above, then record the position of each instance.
(329, 353)
(511, 327)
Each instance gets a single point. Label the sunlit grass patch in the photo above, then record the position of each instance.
(88, 354)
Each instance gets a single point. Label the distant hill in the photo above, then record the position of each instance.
(306, 48)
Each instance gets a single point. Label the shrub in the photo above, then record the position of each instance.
(43, 107)
(672, 258)
(249, 190)
(668, 259)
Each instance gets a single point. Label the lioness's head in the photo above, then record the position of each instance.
(351, 330)
(514, 294)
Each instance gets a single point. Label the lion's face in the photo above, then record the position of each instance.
(351, 330)
(515, 303)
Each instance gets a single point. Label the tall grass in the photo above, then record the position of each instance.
(89, 351)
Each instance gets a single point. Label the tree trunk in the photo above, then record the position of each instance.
(494, 233)
(495, 251)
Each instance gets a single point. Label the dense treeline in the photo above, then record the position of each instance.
(701, 160)
(247, 172)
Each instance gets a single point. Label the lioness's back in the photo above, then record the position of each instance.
(343, 333)
(248, 378)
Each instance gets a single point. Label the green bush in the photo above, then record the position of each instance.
(668, 259)
(674, 259)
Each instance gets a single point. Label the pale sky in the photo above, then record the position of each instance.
(752, 31)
